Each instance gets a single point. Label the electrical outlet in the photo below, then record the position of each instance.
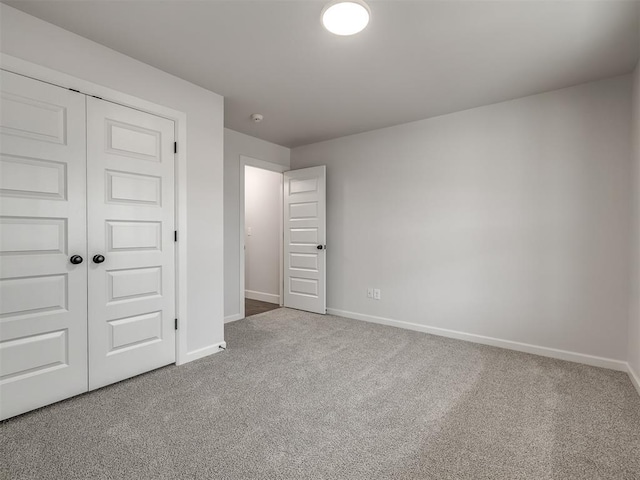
(369, 292)
(249, 231)
(376, 294)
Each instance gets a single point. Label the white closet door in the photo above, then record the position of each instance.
(130, 182)
(305, 239)
(43, 296)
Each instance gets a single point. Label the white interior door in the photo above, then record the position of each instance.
(43, 296)
(305, 239)
(130, 181)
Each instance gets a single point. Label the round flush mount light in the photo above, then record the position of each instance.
(345, 17)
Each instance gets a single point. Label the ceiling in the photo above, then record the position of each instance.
(416, 59)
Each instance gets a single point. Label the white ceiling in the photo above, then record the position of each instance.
(417, 59)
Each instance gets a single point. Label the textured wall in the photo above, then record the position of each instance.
(236, 144)
(263, 212)
(508, 221)
(634, 320)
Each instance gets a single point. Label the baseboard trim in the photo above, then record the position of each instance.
(635, 378)
(233, 318)
(494, 342)
(263, 297)
(203, 352)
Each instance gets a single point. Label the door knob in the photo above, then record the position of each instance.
(76, 259)
(321, 247)
(98, 258)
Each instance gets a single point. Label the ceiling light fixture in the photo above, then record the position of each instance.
(345, 17)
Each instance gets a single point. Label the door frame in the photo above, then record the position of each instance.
(54, 77)
(246, 161)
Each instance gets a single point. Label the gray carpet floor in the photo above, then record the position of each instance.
(302, 396)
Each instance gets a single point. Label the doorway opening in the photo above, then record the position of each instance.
(282, 216)
(261, 265)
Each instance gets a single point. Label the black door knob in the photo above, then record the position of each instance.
(76, 259)
(320, 247)
(98, 258)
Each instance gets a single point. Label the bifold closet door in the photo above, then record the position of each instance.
(130, 183)
(43, 261)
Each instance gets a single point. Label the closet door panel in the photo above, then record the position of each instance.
(43, 296)
(131, 224)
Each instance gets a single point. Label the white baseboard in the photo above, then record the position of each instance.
(233, 318)
(494, 342)
(203, 352)
(263, 297)
(635, 378)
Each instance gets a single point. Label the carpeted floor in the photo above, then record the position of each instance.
(302, 396)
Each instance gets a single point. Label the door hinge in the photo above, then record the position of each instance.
(175, 235)
(175, 147)
(176, 324)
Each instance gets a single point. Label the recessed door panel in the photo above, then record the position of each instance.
(33, 236)
(134, 283)
(304, 261)
(32, 177)
(303, 286)
(304, 239)
(134, 236)
(131, 200)
(304, 236)
(33, 355)
(29, 295)
(302, 185)
(298, 211)
(132, 141)
(43, 297)
(33, 119)
(132, 188)
(134, 332)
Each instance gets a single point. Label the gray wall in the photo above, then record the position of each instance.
(634, 320)
(236, 144)
(508, 221)
(263, 214)
(42, 43)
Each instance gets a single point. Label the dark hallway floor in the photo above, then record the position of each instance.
(253, 307)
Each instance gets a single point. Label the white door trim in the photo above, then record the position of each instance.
(273, 167)
(38, 72)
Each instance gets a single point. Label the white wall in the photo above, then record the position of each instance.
(31, 39)
(634, 320)
(236, 144)
(508, 221)
(263, 212)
